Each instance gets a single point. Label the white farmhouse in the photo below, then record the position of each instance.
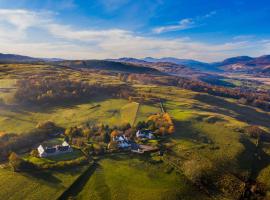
(50, 151)
(144, 134)
(122, 141)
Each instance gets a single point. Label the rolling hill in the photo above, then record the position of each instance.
(108, 65)
(181, 67)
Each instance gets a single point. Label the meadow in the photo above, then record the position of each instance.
(130, 177)
(209, 141)
(33, 186)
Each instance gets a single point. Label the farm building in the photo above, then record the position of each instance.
(122, 141)
(50, 151)
(144, 134)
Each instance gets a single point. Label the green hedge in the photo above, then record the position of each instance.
(64, 164)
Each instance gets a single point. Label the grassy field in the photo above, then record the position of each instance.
(124, 177)
(129, 112)
(45, 185)
(110, 111)
(208, 141)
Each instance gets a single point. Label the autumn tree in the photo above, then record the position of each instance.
(15, 162)
(34, 153)
(114, 133)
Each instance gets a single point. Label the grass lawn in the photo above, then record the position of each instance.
(52, 159)
(127, 177)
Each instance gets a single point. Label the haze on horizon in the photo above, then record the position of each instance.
(77, 29)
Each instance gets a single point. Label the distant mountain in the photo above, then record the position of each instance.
(166, 67)
(233, 60)
(17, 58)
(14, 58)
(186, 62)
(246, 64)
(128, 60)
(183, 67)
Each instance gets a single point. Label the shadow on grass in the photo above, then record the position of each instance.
(242, 113)
(79, 184)
(253, 156)
(50, 108)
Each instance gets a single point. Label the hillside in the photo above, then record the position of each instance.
(11, 58)
(209, 155)
(244, 64)
(186, 62)
(108, 65)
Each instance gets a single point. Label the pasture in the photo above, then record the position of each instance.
(209, 141)
(113, 112)
(45, 185)
(125, 177)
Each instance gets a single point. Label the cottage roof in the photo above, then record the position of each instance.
(65, 143)
(40, 149)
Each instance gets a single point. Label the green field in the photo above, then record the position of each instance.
(124, 177)
(209, 141)
(110, 111)
(45, 185)
(129, 112)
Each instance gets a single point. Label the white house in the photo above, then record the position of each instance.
(144, 134)
(122, 141)
(58, 149)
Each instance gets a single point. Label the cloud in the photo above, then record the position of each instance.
(23, 19)
(67, 32)
(184, 24)
(212, 13)
(19, 27)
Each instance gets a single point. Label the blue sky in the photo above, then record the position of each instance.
(207, 30)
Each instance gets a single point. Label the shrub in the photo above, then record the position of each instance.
(255, 131)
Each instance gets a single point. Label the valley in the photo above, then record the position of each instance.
(209, 154)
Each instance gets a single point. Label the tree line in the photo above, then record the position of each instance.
(56, 90)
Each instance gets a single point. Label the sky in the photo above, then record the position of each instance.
(205, 30)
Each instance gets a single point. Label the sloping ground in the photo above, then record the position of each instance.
(44, 185)
(108, 65)
(209, 145)
(21, 120)
(125, 177)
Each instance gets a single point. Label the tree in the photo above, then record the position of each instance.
(151, 125)
(255, 131)
(114, 133)
(34, 153)
(141, 125)
(68, 132)
(15, 162)
(105, 136)
(171, 129)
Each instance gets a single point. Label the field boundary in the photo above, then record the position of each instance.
(136, 114)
